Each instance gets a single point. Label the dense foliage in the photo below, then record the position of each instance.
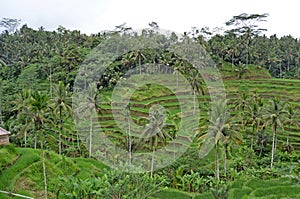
(37, 78)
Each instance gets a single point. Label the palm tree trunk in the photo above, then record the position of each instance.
(287, 140)
(217, 163)
(35, 140)
(25, 138)
(275, 142)
(177, 78)
(225, 159)
(130, 143)
(44, 173)
(152, 163)
(50, 79)
(44, 168)
(25, 133)
(194, 92)
(77, 135)
(174, 152)
(91, 135)
(140, 66)
(60, 130)
(273, 145)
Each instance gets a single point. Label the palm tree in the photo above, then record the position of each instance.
(39, 106)
(292, 115)
(177, 68)
(197, 85)
(221, 129)
(138, 56)
(22, 103)
(253, 115)
(154, 131)
(241, 104)
(89, 107)
(275, 117)
(62, 104)
(127, 117)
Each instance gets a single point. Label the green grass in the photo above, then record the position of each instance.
(9, 155)
(25, 174)
(171, 194)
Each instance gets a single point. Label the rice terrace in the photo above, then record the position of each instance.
(149, 113)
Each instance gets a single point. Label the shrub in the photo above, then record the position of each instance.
(113, 184)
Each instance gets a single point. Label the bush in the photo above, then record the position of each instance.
(113, 184)
(219, 188)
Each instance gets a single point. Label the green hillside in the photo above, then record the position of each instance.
(201, 115)
(21, 170)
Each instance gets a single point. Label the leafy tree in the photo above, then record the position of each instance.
(10, 24)
(246, 26)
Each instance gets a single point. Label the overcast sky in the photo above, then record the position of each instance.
(92, 16)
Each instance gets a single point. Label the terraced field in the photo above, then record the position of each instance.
(144, 97)
(284, 89)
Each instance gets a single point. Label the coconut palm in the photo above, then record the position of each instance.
(275, 117)
(21, 105)
(241, 103)
(292, 115)
(127, 117)
(197, 85)
(178, 66)
(138, 56)
(154, 131)
(62, 104)
(88, 106)
(253, 115)
(39, 107)
(220, 130)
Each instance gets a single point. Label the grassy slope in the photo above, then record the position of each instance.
(23, 173)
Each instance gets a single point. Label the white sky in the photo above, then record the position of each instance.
(92, 16)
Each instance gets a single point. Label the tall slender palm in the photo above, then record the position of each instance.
(77, 116)
(241, 103)
(197, 85)
(89, 107)
(62, 104)
(127, 117)
(22, 103)
(275, 117)
(39, 106)
(253, 115)
(138, 56)
(177, 68)
(154, 131)
(221, 129)
(292, 119)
